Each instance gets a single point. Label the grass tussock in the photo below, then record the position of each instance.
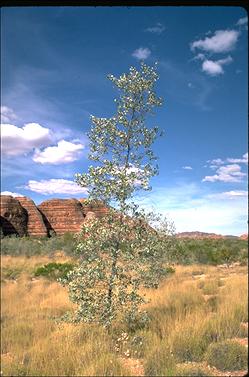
(187, 324)
(227, 355)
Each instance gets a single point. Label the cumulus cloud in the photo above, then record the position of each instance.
(64, 152)
(214, 68)
(141, 53)
(228, 173)
(14, 194)
(187, 167)
(218, 161)
(157, 29)
(221, 41)
(243, 160)
(7, 114)
(55, 186)
(21, 140)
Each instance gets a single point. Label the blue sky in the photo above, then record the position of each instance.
(54, 66)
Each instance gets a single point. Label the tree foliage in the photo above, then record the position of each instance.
(124, 250)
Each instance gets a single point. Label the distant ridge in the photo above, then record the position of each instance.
(200, 235)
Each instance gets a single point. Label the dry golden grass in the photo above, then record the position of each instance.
(184, 321)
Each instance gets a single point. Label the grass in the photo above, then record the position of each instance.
(184, 324)
(227, 355)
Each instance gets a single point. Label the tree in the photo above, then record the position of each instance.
(122, 251)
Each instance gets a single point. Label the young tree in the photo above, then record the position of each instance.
(123, 250)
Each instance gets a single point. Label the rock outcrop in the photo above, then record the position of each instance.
(199, 235)
(98, 208)
(62, 215)
(14, 218)
(22, 217)
(36, 225)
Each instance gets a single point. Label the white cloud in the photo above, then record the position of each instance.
(199, 56)
(7, 114)
(228, 173)
(63, 153)
(221, 41)
(14, 194)
(217, 161)
(243, 160)
(242, 21)
(157, 29)
(187, 167)
(55, 186)
(141, 53)
(191, 209)
(229, 194)
(17, 141)
(214, 68)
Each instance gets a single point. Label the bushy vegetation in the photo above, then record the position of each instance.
(185, 251)
(29, 246)
(210, 251)
(54, 270)
(227, 355)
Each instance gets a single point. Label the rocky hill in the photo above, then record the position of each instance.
(201, 235)
(22, 217)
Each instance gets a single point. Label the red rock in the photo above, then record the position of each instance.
(14, 217)
(36, 225)
(98, 208)
(62, 215)
(244, 236)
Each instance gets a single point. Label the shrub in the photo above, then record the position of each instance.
(15, 246)
(54, 270)
(192, 370)
(169, 270)
(210, 251)
(11, 273)
(189, 345)
(160, 362)
(227, 355)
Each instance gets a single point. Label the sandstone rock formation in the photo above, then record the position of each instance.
(36, 225)
(98, 208)
(14, 217)
(62, 215)
(90, 215)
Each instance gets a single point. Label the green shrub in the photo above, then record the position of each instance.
(209, 251)
(227, 355)
(54, 270)
(169, 270)
(136, 321)
(15, 246)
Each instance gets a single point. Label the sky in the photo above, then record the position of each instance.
(54, 64)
